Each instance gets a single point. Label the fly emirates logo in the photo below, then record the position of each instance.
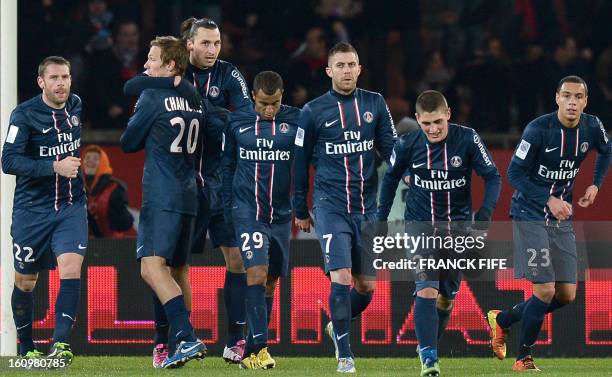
(264, 152)
(66, 145)
(439, 181)
(566, 171)
(352, 144)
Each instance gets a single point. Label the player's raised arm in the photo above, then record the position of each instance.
(524, 157)
(397, 167)
(14, 160)
(228, 163)
(304, 145)
(485, 167)
(385, 130)
(136, 85)
(139, 125)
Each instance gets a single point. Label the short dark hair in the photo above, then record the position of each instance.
(268, 82)
(172, 49)
(575, 80)
(190, 26)
(430, 101)
(341, 47)
(52, 60)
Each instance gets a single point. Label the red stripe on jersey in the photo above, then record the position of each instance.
(357, 113)
(428, 156)
(445, 158)
(207, 84)
(68, 118)
(432, 204)
(274, 125)
(257, 190)
(552, 188)
(195, 80)
(341, 111)
(271, 188)
(348, 184)
(562, 141)
(257, 126)
(56, 204)
(361, 184)
(577, 141)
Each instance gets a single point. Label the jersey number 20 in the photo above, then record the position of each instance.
(192, 135)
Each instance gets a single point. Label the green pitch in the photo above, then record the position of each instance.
(303, 366)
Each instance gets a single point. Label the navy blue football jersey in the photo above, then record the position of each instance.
(257, 160)
(547, 160)
(339, 135)
(223, 85)
(441, 175)
(37, 136)
(169, 131)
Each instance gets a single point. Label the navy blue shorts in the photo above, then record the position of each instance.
(346, 240)
(446, 282)
(544, 254)
(39, 238)
(164, 234)
(213, 222)
(263, 244)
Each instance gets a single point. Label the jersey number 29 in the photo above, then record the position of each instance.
(192, 135)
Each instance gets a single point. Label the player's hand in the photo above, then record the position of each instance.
(589, 196)
(304, 224)
(560, 209)
(68, 167)
(189, 92)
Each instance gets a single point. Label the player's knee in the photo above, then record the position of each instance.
(233, 260)
(271, 283)
(428, 293)
(365, 286)
(544, 292)
(565, 298)
(257, 275)
(26, 283)
(341, 276)
(444, 303)
(69, 265)
(180, 272)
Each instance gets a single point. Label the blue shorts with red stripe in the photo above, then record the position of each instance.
(210, 220)
(346, 240)
(264, 244)
(40, 237)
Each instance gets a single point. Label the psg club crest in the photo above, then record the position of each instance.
(74, 120)
(368, 117)
(584, 147)
(213, 92)
(455, 161)
(283, 127)
(249, 254)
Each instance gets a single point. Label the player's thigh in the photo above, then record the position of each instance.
(335, 235)
(201, 223)
(70, 234)
(532, 253)
(31, 233)
(362, 252)
(159, 233)
(563, 254)
(221, 233)
(279, 250)
(254, 242)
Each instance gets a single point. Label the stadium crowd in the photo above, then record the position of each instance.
(495, 61)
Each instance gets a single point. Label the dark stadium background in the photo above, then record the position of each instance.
(497, 62)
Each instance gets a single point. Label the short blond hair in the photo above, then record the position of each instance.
(172, 49)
